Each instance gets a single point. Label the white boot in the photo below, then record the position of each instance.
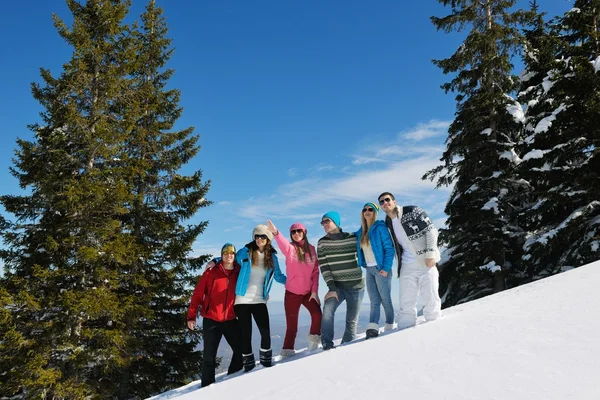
(389, 327)
(313, 342)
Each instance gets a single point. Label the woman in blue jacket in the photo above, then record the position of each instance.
(259, 266)
(375, 251)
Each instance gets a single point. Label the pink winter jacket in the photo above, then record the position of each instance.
(302, 278)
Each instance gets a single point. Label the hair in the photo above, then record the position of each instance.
(386, 194)
(268, 254)
(302, 249)
(364, 236)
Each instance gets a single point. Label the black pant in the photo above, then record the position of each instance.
(212, 333)
(244, 313)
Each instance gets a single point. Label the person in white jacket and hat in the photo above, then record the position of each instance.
(415, 238)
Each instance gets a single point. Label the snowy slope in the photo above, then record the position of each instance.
(540, 340)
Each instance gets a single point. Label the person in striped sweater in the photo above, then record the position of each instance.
(338, 264)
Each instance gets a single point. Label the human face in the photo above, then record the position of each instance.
(387, 203)
(368, 213)
(261, 240)
(328, 225)
(297, 234)
(228, 257)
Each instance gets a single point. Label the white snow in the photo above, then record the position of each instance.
(536, 341)
(486, 132)
(492, 204)
(516, 110)
(511, 155)
(536, 153)
(546, 122)
(473, 188)
(596, 64)
(491, 266)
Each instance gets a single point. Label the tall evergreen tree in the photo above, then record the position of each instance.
(96, 266)
(161, 351)
(480, 159)
(562, 160)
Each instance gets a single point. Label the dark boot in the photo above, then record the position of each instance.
(372, 333)
(249, 362)
(266, 357)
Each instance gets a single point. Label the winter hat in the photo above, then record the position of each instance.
(262, 230)
(227, 248)
(297, 225)
(334, 216)
(372, 205)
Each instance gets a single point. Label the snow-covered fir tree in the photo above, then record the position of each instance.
(561, 159)
(96, 259)
(480, 159)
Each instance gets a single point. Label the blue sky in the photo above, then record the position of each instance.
(302, 106)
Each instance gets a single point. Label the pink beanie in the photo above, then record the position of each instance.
(297, 225)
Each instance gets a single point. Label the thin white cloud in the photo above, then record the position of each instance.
(426, 130)
(395, 165)
(224, 203)
(292, 172)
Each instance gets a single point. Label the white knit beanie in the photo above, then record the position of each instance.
(262, 230)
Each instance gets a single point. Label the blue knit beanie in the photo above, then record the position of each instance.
(334, 216)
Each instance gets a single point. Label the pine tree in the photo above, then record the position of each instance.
(161, 351)
(96, 268)
(562, 160)
(480, 159)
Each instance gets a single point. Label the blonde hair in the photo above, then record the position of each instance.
(364, 236)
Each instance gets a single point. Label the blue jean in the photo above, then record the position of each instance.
(353, 300)
(380, 294)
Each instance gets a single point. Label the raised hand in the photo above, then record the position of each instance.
(271, 227)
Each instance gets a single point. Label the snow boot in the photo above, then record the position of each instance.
(249, 362)
(313, 342)
(285, 353)
(372, 333)
(266, 357)
(389, 327)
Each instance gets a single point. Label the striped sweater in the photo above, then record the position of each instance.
(338, 262)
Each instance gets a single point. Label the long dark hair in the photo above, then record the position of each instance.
(268, 254)
(302, 249)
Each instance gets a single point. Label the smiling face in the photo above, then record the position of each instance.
(228, 258)
(297, 235)
(387, 202)
(329, 226)
(368, 213)
(261, 241)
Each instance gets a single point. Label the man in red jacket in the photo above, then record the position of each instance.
(214, 295)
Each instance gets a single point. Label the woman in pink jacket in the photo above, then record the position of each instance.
(301, 287)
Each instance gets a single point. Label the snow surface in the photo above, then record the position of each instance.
(536, 341)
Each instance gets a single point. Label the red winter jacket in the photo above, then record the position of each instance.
(215, 294)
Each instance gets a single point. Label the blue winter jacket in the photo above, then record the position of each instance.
(381, 244)
(243, 258)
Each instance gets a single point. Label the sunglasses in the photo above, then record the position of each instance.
(229, 253)
(386, 200)
(263, 237)
(369, 209)
(325, 221)
(293, 232)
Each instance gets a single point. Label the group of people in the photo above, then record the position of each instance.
(235, 287)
